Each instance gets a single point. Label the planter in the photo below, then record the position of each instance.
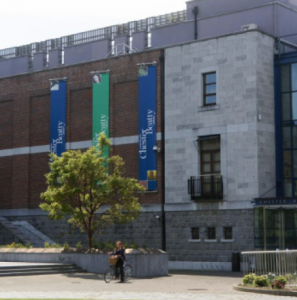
(267, 291)
(145, 263)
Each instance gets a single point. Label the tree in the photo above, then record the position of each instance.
(91, 189)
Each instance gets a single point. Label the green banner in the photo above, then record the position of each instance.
(100, 106)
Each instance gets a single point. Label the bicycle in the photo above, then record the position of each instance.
(110, 273)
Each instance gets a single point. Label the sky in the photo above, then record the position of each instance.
(27, 21)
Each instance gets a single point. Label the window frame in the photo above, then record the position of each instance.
(204, 88)
(226, 237)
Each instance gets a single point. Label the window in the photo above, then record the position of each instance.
(195, 234)
(210, 155)
(289, 129)
(228, 233)
(209, 89)
(211, 233)
(210, 163)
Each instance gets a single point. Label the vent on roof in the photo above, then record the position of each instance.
(249, 27)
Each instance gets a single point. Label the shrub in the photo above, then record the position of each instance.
(79, 245)
(289, 277)
(271, 277)
(134, 246)
(66, 246)
(54, 245)
(248, 279)
(17, 245)
(261, 281)
(279, 282)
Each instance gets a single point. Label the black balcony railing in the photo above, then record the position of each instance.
(209, 187)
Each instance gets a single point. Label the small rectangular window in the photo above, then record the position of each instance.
(210, 89)
(195, 234)
(211, 233)
(228, 233)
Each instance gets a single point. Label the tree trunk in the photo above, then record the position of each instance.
(90, 233)
(90, 238)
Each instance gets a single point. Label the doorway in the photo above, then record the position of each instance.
(275, 228)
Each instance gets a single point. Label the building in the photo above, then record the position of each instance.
(225, 85)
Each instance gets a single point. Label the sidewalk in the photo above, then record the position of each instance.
(177, 286)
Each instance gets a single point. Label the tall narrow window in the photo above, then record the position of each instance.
(209, 89)
(211, 233)
(210, 161)
(210, 155)
(228, 233)
(195, 233)
(289, 129)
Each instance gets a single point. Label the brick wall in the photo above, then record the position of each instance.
(25, 121)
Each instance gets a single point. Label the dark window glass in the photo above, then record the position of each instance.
(287, 188)
(211, 233)
(295, 135)
(294, 77)
(195, 233)
(287, 164)
(228, 233)
(286, 107)
(285, 74)
(295, 162)
(286, 135)
(209, 89)
(294, 106)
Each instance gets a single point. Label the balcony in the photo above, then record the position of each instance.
(206, 187)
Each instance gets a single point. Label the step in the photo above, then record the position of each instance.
(37, 266)
(31, 273)
(38, 269)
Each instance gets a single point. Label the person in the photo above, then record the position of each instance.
(119, 251)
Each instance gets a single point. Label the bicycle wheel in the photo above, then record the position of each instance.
(127, 272)
(109, 274)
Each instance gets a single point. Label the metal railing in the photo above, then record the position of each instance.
(93, 35)
(206, 187)
(265, 262)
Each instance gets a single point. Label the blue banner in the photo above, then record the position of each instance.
(147, 93)
(58, 116)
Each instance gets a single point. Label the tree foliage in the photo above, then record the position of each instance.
(91, 189)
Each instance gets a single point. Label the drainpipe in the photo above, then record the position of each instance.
(162, 62)
(195, 12)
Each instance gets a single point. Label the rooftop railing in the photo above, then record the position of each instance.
(93, 35)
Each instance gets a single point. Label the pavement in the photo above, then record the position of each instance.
(177, 286)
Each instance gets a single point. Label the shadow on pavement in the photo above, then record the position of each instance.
(90, 276)
(207, 273)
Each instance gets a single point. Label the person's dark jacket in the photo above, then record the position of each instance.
(120, 252)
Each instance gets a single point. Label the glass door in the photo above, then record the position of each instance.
(275, 228)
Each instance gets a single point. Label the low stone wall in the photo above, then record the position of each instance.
(147, 263)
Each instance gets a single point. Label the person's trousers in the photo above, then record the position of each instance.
(120, 266)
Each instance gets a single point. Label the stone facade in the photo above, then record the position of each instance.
(145, 231)
(181, 248)
(243, 116)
